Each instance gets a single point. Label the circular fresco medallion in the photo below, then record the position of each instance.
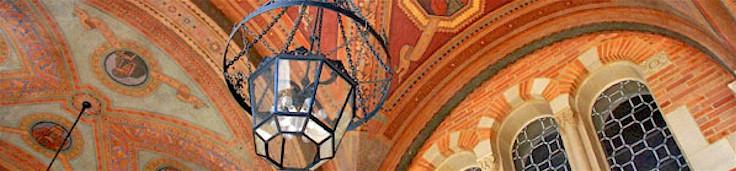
(126, 67)
(47, 131)
(50, 135)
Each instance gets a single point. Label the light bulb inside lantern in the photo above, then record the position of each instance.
(305, 105)
(286, 103)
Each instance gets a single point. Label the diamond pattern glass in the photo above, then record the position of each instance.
(539, 147)
(632, 131)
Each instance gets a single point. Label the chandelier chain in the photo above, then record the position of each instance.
(316, 31)
(265, 43)
(294, 28)
(351, 64)
(250, 45)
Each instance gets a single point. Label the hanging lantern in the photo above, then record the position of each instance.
(305, 111)
(310, 87)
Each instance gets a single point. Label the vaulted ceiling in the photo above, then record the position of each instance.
(152, 70)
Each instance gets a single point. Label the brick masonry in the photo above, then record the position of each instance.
(690, 78)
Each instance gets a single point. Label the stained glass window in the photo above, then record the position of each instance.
(539, 147)
(632, 131)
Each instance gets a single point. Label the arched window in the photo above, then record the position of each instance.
(632, 131)
(539, 147)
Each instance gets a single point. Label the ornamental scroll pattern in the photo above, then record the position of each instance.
(133, 72)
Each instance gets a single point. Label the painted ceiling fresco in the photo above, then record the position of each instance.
(153, 106)
(442, 7)
(151, 69)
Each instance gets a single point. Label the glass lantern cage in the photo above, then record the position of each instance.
(311, 86)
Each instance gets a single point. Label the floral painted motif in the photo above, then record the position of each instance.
(44, 73)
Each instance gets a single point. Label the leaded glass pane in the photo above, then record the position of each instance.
(632, 131)
(539, 147)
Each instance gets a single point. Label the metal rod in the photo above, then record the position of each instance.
(85, 105)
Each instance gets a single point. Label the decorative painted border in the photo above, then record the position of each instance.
(79, 97)
(42, 61)
(731, 6)
(4, 50)
(15, 158)
(445, 23)
(182, 53)
(159, 163)
(183, 19)
(400, 92)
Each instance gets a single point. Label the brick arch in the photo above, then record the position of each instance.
(443, 147)
(629, 48)
(646, 52)
(465, 79)
(600, 78)
(470, 128)
(569, 72)
(570, 77)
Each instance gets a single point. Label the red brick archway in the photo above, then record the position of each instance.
(458, 64)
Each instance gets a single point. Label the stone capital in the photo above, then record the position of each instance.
(566, 118)
(487, 163)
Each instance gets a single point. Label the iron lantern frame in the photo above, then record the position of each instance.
(348, 104)
(335, 65)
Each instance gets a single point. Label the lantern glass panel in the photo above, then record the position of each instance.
(301, 151)
(332, 94)
(292, 123)
(274, 149)
(260, 146)
(267, 129)
(315, 131)
(345, 119)
(261, 87)
(295, 85)
(325, 149)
